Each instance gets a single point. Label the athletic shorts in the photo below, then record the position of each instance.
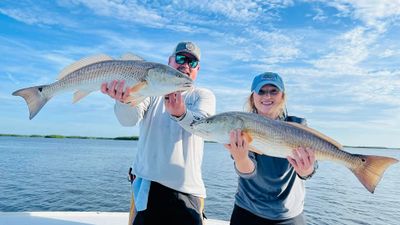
(168, 206)
(241, 216)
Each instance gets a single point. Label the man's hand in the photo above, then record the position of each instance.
(174, 104)
(115, 89)
(302, 161)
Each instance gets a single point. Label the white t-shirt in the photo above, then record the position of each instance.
(167, 152)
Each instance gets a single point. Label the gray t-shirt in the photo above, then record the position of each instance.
(273, 190)
(167, 152)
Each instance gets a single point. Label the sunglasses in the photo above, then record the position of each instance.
(182, 59)
(272, 92)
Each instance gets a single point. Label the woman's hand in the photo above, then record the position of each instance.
(239, 149)
(302, 161)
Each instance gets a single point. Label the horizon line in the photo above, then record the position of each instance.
(135, 138)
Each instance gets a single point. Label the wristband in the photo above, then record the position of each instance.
(311, 174)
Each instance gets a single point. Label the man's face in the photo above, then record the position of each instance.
(186, 63)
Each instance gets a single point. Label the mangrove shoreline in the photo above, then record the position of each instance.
(135, 138)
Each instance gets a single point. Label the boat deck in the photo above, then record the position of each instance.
(74, 218)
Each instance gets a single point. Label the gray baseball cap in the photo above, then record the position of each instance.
(188, 47)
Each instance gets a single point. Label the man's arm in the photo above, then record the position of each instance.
(129, 116)
(125, 113)
(204, 106)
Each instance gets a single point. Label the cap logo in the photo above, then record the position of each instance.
(189, 46)
(268, 77)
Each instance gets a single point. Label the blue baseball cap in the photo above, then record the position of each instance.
(267, 78)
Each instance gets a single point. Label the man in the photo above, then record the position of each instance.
(167, 167)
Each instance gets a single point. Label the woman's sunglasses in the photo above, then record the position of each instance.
(182, 59)
(272, 92)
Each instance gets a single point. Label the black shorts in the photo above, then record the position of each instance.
(168, 206)
(241, 216)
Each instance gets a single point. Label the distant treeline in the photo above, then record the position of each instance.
(133, 138)
(375, 147)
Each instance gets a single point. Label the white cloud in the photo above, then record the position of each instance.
(374, 14)
(380, 87)
(58, 59)
(349, 50)
(323, 109)
(267, 47)
(28, 17)
(13, 79)
(124, 10)
(319, 16)
(36, 15)
(388, 53)
(346, 70)
(236, 10)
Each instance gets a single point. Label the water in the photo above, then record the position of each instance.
(39, 174)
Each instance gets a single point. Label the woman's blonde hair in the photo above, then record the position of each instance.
(279, 111)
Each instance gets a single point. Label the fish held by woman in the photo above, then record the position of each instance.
(279, 138)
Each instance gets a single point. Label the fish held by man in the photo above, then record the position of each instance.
(143, 79)
(278, 138)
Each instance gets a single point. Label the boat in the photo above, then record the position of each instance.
(74, 218)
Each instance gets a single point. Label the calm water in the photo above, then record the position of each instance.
(38, 174)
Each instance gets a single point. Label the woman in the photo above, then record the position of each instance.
(270, 190)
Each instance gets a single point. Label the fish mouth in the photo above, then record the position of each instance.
(194, 124)
(188, 85)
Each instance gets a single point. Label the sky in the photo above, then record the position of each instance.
(339, 59)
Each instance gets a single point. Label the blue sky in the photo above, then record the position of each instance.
(339, 58)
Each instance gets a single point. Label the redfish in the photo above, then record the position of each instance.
(144, 79)
(279, 138)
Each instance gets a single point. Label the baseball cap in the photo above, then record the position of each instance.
(188, 47)
(267, 78)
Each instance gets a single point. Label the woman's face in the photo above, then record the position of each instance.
(268, 100)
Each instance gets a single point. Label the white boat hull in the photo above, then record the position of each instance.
(74, 218)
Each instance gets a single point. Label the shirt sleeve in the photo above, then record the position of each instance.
(128, 115)
(252, 157)
(202, 107)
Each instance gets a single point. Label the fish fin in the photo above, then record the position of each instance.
(317, 133)
(137, 87)
(34, 98)
(247, 136)
(134, 100)
(253, 149)
(82, 63)
(134, 97)
(370, 172)
(131, 56)
(78, 95)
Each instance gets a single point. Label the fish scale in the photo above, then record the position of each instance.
(98, 73)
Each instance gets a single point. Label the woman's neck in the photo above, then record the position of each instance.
(271, 115)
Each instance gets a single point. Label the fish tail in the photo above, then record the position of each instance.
(371, 170)
(34, 97)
